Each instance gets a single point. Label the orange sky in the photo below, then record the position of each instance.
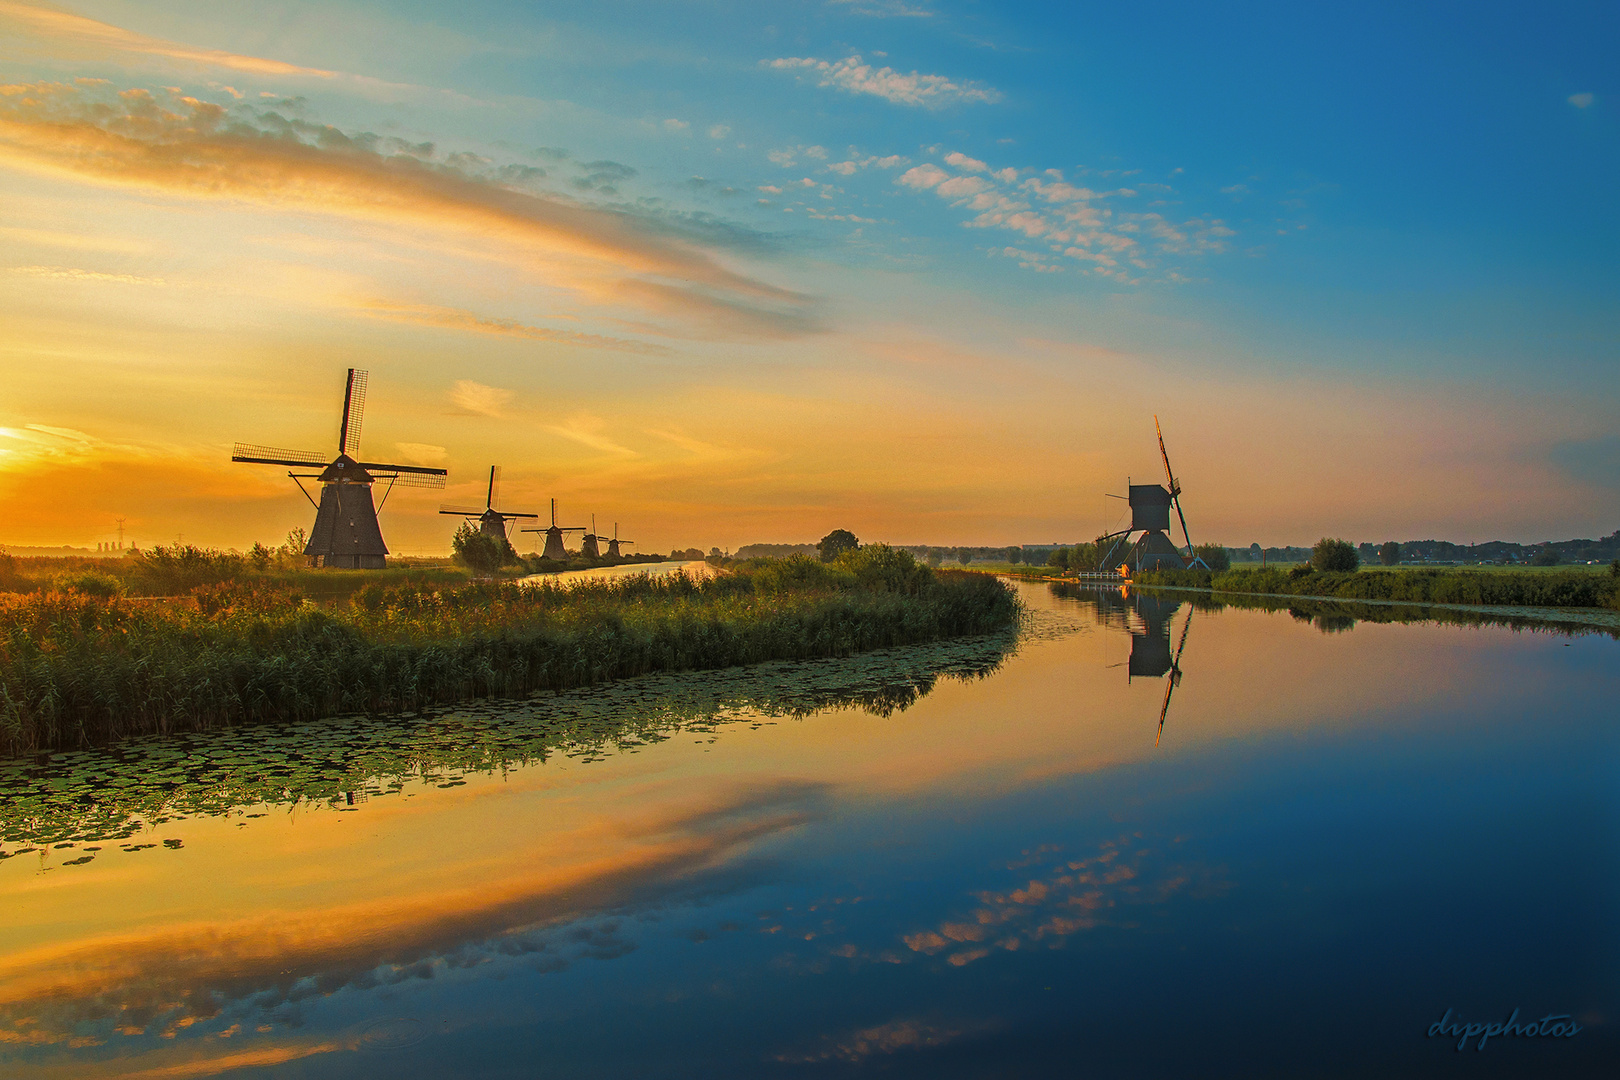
(181, 272)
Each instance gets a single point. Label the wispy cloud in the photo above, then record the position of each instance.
(461, 319)
(61, 24)
(1583, 100)
(853, 75)
(179, 144)
(476, 399)
(587, 430)
(885, 9)
(1081, 228)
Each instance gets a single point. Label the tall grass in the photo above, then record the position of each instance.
(78, 669)
(1575, 588)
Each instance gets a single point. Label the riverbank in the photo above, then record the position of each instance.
(78, 669)
(1497, 588)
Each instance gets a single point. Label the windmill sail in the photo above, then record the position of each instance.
(354, 407)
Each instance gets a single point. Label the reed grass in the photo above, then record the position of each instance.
(1571, 588)
(78, 669)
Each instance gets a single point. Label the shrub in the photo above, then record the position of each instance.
(836, 543)
(92, 583)
(480, 552)
(1547, 556)
(1215, 557)
(1330, 556)
(1390, 553)
(881, 568)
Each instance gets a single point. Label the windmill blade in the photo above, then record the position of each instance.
(494, 487)
(1164, 709)
(255, 454)
(461, 511)
(512, 514)
(354, 408)
(384, 467)
(1175, 488)
(1183, 643)
(411, 479)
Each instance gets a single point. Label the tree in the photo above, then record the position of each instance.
(1015, 555)
(836, 543)
(480, 552)
(964, 556)
(1390, 553)
(1214, 556)
(1059, 558)
(935, 557)
(1547, 556)
(1337, 555)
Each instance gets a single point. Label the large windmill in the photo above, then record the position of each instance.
(1150, 516)
(554, 536)
(346, 533)
(614, 542)
(491, 522)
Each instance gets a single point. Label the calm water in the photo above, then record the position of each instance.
(979, 859)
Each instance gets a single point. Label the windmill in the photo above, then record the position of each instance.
(346, 533)
(1174, 680)
(613, 544)
(491, 522)
(588, 546)
(1150, 516)
(554, 536)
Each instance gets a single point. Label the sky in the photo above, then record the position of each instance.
(735, 273)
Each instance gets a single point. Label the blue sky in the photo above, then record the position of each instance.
(1367, 248)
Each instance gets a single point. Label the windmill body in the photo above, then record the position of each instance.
(588, 544)
(554, 548)
(491, 522)
(346, 533)
(614, 542)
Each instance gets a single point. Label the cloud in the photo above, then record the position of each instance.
(885, 9)
(587, 431)
(675, 125)
(62, 25)
(1582, 100)
(719, 131)
(416, 453)
(965, 163)
(181, 145)
(476, 399)
(854, 76)
(461, 319)
(923, 177)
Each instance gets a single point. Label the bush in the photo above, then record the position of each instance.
(1390, 553)
(92, 583)
(1214, 556)
(1059, 559)
(1334, 556)
(480, 552)
(881, 568)
(178, 568)
(1547, 556)
(836, 543)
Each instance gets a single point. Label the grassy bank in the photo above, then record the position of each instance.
(81, 669)
(1538, 588)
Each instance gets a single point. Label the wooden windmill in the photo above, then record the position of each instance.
(1150, 518)
(613, 544)
(491, 522)
(588, 545)
(346, 532)
(554, 536)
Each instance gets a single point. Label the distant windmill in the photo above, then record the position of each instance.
(613, 544)
(554, 536)
(491, 522)
(588, 546)
(346, 532)
(1150, 516)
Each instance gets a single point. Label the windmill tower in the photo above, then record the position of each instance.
(613, 544)
(588, 546)
(491, 522)
(346, 533)
(1150, 517)
(554, 536)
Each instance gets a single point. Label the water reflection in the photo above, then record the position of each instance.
(1148, 617)
(956, 860)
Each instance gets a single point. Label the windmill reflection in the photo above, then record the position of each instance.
(1149, 620)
